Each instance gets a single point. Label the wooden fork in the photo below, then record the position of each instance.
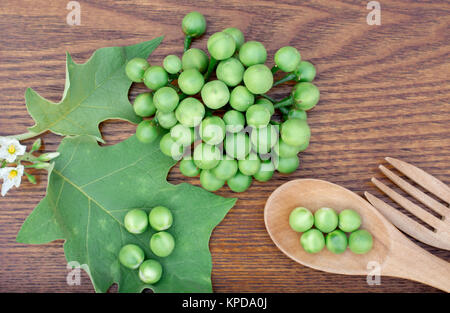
(440, 235)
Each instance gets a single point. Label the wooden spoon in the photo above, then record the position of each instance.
(396, 255)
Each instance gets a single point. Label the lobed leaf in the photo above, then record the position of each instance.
(90, 190)
(94, 92)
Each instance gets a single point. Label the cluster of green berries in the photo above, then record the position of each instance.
(161, 243)
(226, 122)
(335, 226)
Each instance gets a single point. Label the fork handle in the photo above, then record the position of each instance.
(414, 263)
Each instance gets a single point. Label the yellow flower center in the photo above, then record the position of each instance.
(11, 149)
(12, 174)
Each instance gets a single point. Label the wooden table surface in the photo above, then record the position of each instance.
(384, 92)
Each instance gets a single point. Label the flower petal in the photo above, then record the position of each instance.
(4, 172)
(9, 157)
(19, 175)
(7, 184)
(20, 149)
(3, 141)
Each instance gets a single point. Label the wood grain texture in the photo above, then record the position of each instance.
(384, 92)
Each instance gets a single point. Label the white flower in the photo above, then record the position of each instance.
(10, 148)
(12, 176)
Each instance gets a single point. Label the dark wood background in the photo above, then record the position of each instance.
(384, 92)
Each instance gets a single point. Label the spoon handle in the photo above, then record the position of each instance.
(414, 263)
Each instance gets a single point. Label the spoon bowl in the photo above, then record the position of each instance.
(392, 252)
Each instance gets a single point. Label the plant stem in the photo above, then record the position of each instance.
(274, 69)
(28, 157)
(284, 102)
(187, 42)
(284, 110)
(172, 77)
(211, 66)
(274, 122)
(286, 78)
(268, 98)
(182, 96)
(25, 136)
(174, 87)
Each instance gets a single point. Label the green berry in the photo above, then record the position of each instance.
(305, 95)
(170, 148)
(195, 59)
(209, 181)
(146, 132)
(136, 221)
(312, 241)
(166, 120)
(221, 46)
(182, 135)
(263, 139)
(250, 165)
(194, 24)
(239, 182)
(166, 99)
(336, 241)
(191, 81)
(295, 132)
(215, 94)
(160, 218)
(162, 244)
(230, 71)
(155, 77)
(258, 79)
(150, 271)
(288, 165)
(360, 241)
(237, 145)
(252, 52)
(305, 72)
(267, 104)
(237, 35)
(131, 256)
(265, 172)
(206, 156)
(301, 219)
(286, 151)
(349, 220)
(136, 68)
(226, 168)
(188, 168)
(326, 220)
(257, 116)
(300, 114)
(234, 121)
(241, 98)
(190, 112)
(212, 130)
(287, 59)
(172, 64)
(143, 105)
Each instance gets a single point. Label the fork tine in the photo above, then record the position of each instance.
(430, 183)
(416, 193)
(406, 224)
(425, 216)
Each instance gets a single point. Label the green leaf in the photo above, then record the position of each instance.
(90, 190)
(94, 92)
